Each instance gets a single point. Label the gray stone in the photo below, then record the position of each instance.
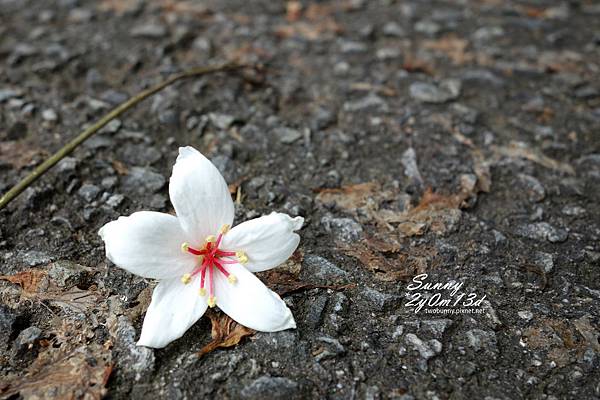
(334, 348)
(221, 121)
(112, 127)
(344, 229)
(49, 115)
(427, 349)
(526, 315)
(371, 101)
(114, 97)
(393, 29)
(139, 359)
(544, 260)
(7, 320)
(435, 327)
(34, 257)
(349, 46)
(149, 31)
(287, 135)
(88, 192)
(27, 337)
(314, 314)
(542, 231)
(479, 340)
(67, 165)
(67, 273)
(275, 388)
(573, 211)
(115, 200)
(377, 298)
(322, 269)
(427, 27)
(6, 94)
(535, 190)
(409, 161)
(143, 180)
(429, 93)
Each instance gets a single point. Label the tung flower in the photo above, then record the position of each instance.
(198, 260)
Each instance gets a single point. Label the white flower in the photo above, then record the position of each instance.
(198, 260)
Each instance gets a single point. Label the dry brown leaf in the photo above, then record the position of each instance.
(349, 198)
(412, 64)
(119, 7)
(120, 167)
(520, 150)
(388, 263)
(36, 285)
(452, 46)
(589, 333)
(309, 30)
(31, 281)
(19, 154)
(225, 333)
(369, 87)
(293, 11)
(80, 374)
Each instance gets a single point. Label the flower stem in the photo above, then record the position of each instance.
(114, 113)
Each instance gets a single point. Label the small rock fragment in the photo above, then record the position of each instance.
(535, 190)
(427, 349)
(288, 135)
(429, 93)
(275, 388)
(88, 192)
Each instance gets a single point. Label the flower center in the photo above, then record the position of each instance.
(212, 258)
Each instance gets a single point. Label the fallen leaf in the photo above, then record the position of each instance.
(120, 167)
(350, 198)
(521, 150)
(452, 46)
(391, 265)
(589, 333)
(225, 333)
(30, 281)
(19, 154)
(293, 11)
(80, 374)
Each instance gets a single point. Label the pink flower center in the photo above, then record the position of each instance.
(212, 258)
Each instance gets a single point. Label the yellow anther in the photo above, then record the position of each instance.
(186, 278)
(224, 229)
(242, 257)
(202, 292)
(184, 247)
(210, 239)
(232, 279)
(212, 301)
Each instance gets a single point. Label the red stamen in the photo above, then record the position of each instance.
(211, 291)
(202, 277)
(196, 252)
(222, 253)
(228, 261)
(218, 241)
(220, 267)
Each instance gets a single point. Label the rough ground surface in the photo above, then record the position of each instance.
(454, 138)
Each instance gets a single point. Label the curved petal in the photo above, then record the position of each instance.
(250, 303)
(148, 244)
(200, 196)
(174, 308)
(267, 241)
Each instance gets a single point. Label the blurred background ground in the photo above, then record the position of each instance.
(454, 138)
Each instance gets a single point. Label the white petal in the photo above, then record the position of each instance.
(250, 303)
(200, 196)
(148, 244)
(267, 241)
(175, 307)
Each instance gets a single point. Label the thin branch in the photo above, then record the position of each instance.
(114, 113)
